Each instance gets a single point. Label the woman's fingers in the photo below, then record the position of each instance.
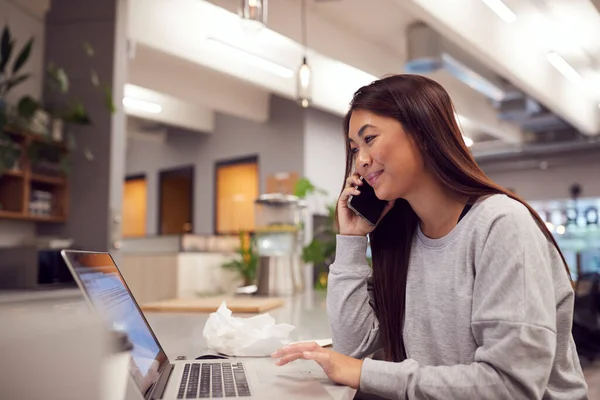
(320, 357)
(288, 359)
(296, 348)
(293, 352)
(353, 180)
(349, 191)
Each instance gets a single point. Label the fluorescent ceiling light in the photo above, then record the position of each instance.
(142, 105)
(253, 59)
(501, 10)
(471, 78)
(564, 68)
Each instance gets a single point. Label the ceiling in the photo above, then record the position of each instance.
(194, 53)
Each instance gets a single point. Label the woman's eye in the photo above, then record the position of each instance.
(354, 150)
(369, 139)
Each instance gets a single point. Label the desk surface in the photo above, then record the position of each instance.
(181, 333)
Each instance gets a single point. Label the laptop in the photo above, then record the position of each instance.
(158, 377)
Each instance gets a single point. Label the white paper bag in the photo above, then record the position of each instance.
(256, 336)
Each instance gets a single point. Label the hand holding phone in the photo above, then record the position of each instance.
(359, 208)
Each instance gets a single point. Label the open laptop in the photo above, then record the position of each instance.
(156, 376)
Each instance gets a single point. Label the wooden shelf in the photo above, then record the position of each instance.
(16, 174)
(18, 187)
(52, 180)
(42, 218)
(34, 137)
(27, 217)
(11, 214)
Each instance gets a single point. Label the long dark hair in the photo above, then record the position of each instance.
(426, 112)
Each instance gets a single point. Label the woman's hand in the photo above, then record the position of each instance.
(350, 223)
(338, 367)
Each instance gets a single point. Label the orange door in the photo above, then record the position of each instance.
(134, 207)
(176, 201)
(237, 188)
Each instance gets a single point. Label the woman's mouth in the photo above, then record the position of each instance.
(373, 176)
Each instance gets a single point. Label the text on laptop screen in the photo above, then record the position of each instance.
(109, 294)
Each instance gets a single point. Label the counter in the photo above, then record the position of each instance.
(178, 266)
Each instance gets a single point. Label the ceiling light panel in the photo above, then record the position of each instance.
(502, 10)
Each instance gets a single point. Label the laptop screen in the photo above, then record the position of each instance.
(106, 289)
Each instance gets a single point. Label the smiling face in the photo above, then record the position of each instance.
(384, 154)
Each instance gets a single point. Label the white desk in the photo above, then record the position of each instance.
(181, 333)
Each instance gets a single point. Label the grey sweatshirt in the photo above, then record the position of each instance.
(489, 310)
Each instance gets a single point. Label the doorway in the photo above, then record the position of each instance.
(176, 201)
(135, 198)
(236, 189)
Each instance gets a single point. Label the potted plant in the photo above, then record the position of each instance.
(10, 72)
(10, 153)
(321, 250)
(10, 77)
(63, 109)
(246, 262)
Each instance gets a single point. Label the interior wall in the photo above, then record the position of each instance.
(278, 143)
(96, 183)
(532, 182)
(23, 25)
(324, 156)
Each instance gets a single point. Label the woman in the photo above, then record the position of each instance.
(469, 296)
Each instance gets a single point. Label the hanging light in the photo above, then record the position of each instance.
(254, 14)
(304, 84)
(304, 78)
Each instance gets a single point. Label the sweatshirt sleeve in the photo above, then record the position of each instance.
(513, 324)
(354, 326)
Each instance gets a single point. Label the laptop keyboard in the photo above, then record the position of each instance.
(213, 380)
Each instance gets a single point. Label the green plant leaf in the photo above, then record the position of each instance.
(10, 152)
(88, 49)
(6, 46)
(304, 187)
(27, 107)
(94, 78)
(313, 252)
(59, 77)
(246, 264)
(12, 82)
(77, 115)
(22, 57)
(65, 165)
(108, 99)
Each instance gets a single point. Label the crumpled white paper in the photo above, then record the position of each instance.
(256, 336)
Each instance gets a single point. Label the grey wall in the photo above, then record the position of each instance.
(533, 183)
(324, 155)
(278, 144)
(96, 184)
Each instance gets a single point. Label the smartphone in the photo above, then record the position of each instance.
(367, 205)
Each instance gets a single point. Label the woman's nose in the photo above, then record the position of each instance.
(363, 160)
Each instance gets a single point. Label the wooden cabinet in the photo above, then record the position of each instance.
(34, 190)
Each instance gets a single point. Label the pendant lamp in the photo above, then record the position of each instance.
(253, 14)
(304, 75)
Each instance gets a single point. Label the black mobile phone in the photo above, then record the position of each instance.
(367, 205)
